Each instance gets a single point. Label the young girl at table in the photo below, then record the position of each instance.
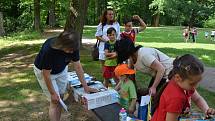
(181, 89)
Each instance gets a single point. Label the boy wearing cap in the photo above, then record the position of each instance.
(126, 87)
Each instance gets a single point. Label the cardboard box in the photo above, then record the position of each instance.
(96, 100)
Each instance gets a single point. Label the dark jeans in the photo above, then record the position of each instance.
(142, 92)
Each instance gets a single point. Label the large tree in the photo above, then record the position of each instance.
(2, 32)
(37, 15)
(77, 15)
(157, 6)
(51, 19)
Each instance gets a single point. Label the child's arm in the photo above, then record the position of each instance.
(114, 55)
(202, 104)
(132, 106)
(117, 88)
(142, 23)
(172, 116)
(107, 54)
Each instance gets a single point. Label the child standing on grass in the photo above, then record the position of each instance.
(186, 34)
(126, 88)
(110, 60)
(213, 35)
(177, 94)
(132, 32)
(206, 34)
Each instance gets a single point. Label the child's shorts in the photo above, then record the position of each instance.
(59, 82)
(109, 72)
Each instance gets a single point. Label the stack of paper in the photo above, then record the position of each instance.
(74, 80)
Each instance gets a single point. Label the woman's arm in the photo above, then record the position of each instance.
(80, 73)
(54, 95)
(172, 116)
(159, 68)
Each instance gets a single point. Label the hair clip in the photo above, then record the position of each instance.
(179, 64)
(187, 68)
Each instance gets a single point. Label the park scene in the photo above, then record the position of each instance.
(117, 53)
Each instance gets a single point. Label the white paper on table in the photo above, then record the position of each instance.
(63, 105)
(145, 100)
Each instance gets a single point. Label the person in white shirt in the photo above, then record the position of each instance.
(107, 20)
(213, 35)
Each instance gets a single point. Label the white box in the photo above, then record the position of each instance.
(96, 100)
(100, 99)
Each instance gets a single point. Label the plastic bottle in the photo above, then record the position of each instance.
(122, 115)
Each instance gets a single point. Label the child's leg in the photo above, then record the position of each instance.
(107, 75)
(106, 82)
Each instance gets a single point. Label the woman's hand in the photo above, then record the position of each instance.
(152, 91)
(55, 98)
(88, 89)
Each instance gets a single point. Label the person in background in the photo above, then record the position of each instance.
(107, 20)
(110, 58)
(186, 34)
(213, 35)
(206, 34)
(131, 32)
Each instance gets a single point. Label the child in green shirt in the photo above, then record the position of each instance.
(126, 88)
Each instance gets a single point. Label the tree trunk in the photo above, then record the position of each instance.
(52, 13)
(99, 9)
(75, 20)
(37, 15)
(192, 17)
(2, 32)
(155, 20)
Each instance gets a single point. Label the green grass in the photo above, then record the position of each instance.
(170, 41)
(20, 92)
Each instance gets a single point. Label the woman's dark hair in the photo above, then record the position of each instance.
(186, 66)
(67, 40)
(125, 49)
(110, 30)
(103, 18)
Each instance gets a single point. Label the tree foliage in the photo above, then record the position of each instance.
(19, 14)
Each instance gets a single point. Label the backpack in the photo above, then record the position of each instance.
(95, 49)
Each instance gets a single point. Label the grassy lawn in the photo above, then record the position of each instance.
(20, 94)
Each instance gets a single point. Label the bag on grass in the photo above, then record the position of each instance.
(144, 110)
(95, 51)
